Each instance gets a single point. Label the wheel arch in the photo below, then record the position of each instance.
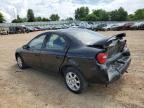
(64, 67)
(17, 54)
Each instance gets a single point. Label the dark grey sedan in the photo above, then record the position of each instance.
(80, 56)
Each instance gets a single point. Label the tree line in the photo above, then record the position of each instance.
(31, 18)
(84, 14)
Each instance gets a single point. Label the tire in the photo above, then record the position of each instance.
(20, 62)
(74, 80)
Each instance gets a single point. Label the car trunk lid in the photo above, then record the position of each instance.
(111, 45)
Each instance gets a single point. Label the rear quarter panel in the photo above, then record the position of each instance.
(83, 59)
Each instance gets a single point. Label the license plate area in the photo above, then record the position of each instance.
(117, 65)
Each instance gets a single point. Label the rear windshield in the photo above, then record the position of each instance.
(87, 37)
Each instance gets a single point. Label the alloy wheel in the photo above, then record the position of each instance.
(73, 81)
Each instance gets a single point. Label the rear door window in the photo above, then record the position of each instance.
(55, 42)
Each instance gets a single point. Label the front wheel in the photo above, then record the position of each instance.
(20, 62)
(74, 80)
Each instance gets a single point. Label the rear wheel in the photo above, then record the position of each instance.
(74, 80)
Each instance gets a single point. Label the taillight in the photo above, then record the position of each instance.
(101, 58)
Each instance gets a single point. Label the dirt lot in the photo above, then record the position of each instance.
(33, 88)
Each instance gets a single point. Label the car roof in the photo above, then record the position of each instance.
(68, 31)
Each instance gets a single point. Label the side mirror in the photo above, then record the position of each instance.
(25, 47)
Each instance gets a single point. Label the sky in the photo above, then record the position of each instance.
(64, 8)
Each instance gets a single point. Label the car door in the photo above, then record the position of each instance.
(31, 54)
(53, 53)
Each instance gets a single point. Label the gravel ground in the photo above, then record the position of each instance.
(33, 88)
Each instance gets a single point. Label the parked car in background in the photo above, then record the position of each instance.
(17, 29)
(20, 29)
(4, 30)
(127, 26)
(73, 25)
(93, 25)
(84, 25)
(135, 26)
(58, 27)
(141, 26)
(100, 27)
(29, 29)
(12, 30)
(81, 56)
(108, 27)
(117, 26)
(37, 28)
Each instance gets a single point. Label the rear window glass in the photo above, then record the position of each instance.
(86, 36)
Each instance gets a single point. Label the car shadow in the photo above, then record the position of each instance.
(49, 87)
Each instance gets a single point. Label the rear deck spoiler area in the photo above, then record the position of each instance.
(120, 36)
(117, 36)
(106, 42)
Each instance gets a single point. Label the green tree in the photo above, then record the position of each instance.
(69, 19)
(101, 15)
(1, 18)
(38, 19)
(91, 17)
(139, 14)
(45, 19)
(30, 15)
(18, 20)
(131, 17)
(41, 19)
(24, 19)
(14, 21)
(119, 15)
(122, 14)
(114, 15)
(81, 13)
(54, 17)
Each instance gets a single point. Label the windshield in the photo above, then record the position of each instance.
(86, 36)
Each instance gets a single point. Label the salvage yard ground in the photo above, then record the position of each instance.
(33, 88)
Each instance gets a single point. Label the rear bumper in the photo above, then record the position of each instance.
(111, 72)
(115, 72)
